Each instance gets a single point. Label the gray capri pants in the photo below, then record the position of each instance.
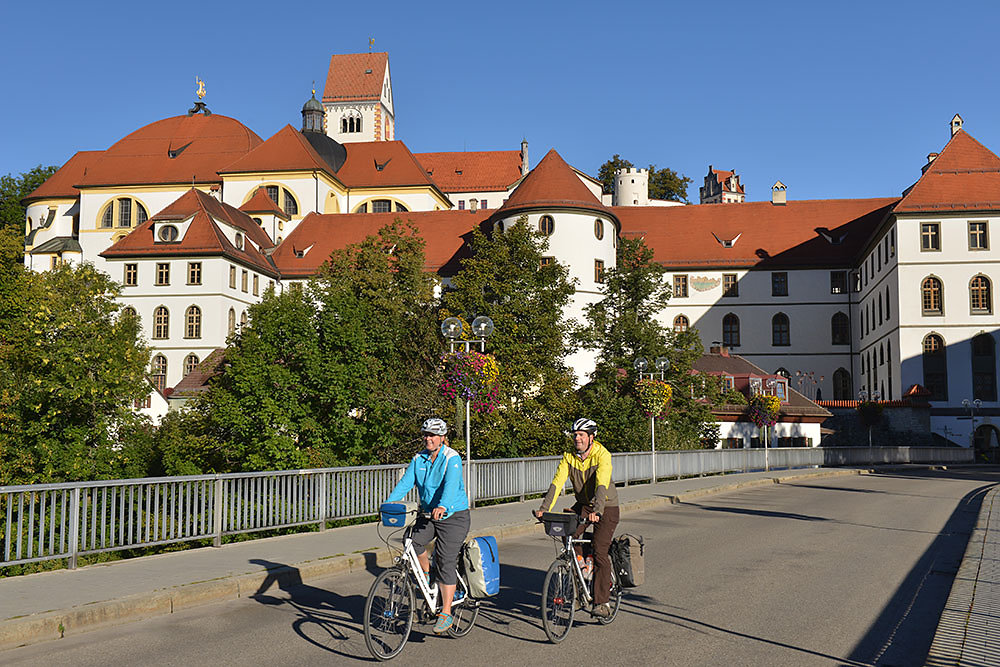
(450, 534)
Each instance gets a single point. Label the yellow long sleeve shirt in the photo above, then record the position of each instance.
(590, 477)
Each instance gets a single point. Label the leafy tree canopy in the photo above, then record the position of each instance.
(664, 183)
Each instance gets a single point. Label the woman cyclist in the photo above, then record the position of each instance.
(437, 473)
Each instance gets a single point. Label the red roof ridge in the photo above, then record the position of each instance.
(965, 175)
(260, 202)
(553, 183)
(263, 159)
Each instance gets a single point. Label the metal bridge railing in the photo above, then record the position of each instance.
(50, 521)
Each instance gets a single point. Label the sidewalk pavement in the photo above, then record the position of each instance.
(49, 605)
(968, 634)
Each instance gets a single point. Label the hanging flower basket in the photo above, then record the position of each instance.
(472, 376)
(763, 410)
(654, 396)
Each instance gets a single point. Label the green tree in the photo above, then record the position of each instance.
(664, 183)
(624, 326)
(15, 188)
(71, 367)
(504, 279)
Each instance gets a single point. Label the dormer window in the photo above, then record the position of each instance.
(239, 241)
(168, 233)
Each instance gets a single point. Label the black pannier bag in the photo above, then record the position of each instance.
(627, 558)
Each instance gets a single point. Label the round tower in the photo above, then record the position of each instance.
(631, 187)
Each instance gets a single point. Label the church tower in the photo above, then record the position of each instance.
(358, 98)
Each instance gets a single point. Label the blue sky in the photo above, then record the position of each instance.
(834, 99)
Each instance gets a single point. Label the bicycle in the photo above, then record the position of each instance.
(565, 585)
(390, 608)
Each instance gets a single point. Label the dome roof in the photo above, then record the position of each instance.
(181, 149)
(553, 184)
(313, 105)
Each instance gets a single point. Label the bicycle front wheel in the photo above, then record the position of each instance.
(614, 601)
(558, 600)
(388, 614)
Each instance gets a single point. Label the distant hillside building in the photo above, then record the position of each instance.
(721, 187)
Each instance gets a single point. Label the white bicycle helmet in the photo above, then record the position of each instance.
(435, 426)
(584, 424)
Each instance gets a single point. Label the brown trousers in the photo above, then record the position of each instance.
(604, 531)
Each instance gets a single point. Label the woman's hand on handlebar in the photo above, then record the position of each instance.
(437, 513)
(537, 514)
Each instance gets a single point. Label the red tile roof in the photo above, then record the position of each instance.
(287, 150)
(964, 177)
(765, 234)
(721, 176)
(203, 236)
(355, 76)
(445, 234)
(399, 167)
(62, 183)
(201, 146)
(261, 203)
(473, 171)
(553, 184)
(196, 382)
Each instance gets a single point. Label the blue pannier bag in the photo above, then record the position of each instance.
(398, 515)
(481, 563)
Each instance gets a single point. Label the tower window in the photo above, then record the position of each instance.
(546, 225)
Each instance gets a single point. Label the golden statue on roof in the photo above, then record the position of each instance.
(201, 88)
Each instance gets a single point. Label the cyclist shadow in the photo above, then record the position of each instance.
(324, 618)
(515, 611)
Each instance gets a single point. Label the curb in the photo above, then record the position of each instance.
(36, 628)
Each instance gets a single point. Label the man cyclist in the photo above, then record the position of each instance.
(588, 469)
(437, 473)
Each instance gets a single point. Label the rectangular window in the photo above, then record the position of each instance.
(892, 243)
(546, 261)
(483, 204)
(930, 236)
(598, 271)
(131, 275)
(781, 391)
(680, 285)
(194, 273)
(232, 276)
(124, 212)
(779, 283)
(381, 206)
(243, 280)
(729, 285)
(162, 273)
(878, 256)
(461, 204)
(256, 285)
(54, 264)
(838, 282)
(978, 239)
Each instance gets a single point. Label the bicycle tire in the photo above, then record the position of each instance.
(614, 601)
(389, 611)
(464, 613)
(558, 600)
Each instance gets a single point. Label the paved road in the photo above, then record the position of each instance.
(847, 571)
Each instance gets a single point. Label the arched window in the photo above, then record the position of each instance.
(599, 229)
(780, 334)
(192, 319)
(190, 363)
(681, 323)
(546, 225)
(840, 329)
(984, 375)
(283, 198)
(350, 122)
(158, 372)
(232, 321)
(243, 319)
(930, 296)
(731, 330)
(843, 388)
(980, 299)
(161, 322)
(122, 212)
(935, 362)
(129, 311)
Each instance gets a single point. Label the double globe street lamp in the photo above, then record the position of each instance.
(662, 365)
(452, 329)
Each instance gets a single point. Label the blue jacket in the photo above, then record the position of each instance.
(439, 484)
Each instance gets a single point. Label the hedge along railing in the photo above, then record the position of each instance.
(51, 521)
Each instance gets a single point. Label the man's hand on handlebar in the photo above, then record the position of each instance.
(592, 517)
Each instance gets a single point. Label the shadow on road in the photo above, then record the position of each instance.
(903, 632)
(764, 513)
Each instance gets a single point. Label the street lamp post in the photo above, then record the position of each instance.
(662, 364)
(862, 397)
(482, 328)
(972, 406)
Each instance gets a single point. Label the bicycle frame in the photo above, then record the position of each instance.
(429, 592)
(569, 553)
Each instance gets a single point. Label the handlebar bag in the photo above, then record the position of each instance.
(481, 563)
(560, 524)
(398, 515)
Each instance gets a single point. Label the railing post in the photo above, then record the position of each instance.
(524, 478)
(74, 527)
(217, 513)
(324, 498)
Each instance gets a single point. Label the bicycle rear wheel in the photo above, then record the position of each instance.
(558, 600)
(388, 614)
(464, 613)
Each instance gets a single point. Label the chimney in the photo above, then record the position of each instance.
(956, 124)
(930, 158)
(524, 157)
(778, 193)
(473, 205)
(721, 350)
